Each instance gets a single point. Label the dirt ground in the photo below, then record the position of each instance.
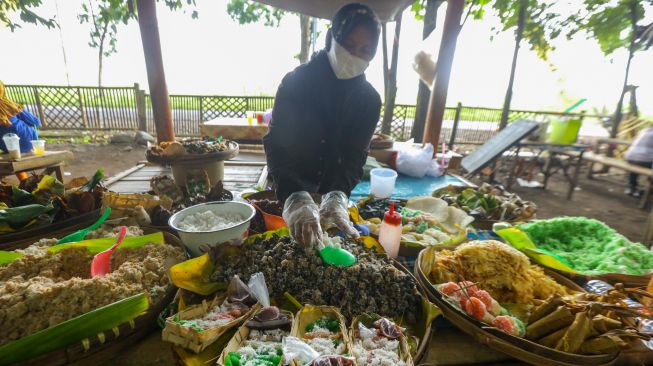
(601, 198)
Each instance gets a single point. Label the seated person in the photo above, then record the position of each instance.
(15, 119)
(639, 153)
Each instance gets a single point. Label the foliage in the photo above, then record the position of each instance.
(612, 23)
(23, 8)
(104, 17)
(476, 8)
(248, 11)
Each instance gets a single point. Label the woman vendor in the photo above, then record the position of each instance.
(324, 116)
(15, 119)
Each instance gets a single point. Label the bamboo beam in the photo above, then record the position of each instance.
(156, 78)
(438, 101)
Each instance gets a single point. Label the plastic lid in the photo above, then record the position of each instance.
(392, 217)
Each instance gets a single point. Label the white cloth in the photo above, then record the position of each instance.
(642, 148)
(344, 64)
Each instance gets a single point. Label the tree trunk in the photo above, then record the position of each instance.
(101, 53)
(519, 33)
(423, 93)
(616, 120)
(384, 43)
(438, 100)
(305, 24)
(391, 91)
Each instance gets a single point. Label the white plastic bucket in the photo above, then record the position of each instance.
(382, 182)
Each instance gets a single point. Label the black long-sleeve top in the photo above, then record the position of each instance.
(320, 130)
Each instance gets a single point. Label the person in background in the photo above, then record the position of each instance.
(324, 116)
(640, 153)
(15, 119)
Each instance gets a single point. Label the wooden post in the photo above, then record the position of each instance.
(39, 107)
(443, 72)
(81, 108)
(139, 96)
(454, 128)
(156, 79)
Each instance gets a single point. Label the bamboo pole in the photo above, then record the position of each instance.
(438, 100)
(156, 78)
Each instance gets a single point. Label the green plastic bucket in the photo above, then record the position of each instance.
(564, 132)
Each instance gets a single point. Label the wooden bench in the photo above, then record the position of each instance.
(594, 158)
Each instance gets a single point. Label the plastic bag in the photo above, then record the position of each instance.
(415, 162)
(238, 292)
(259, 289)
(296, 349)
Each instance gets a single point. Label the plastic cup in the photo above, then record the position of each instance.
(38, 147)
(382, 182)
(12, 143)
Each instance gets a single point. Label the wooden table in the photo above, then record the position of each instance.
(558, 158)
(238, 176)
(236, 129)
(50, 162)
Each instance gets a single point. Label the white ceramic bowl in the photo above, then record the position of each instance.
(194, 239)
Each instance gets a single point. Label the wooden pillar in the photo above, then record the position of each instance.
(438, 101)
(156, 78)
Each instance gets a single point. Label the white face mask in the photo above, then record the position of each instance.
(344, 64)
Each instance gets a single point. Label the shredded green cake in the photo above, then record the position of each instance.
(590, 246)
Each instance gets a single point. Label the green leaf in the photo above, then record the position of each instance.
(74, 330)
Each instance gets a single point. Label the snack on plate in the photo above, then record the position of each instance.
(258, 342)
(504, 272)
(185, 146)
(589, 324)
(382, 343)
(198, 326)
(44, 288)
(488, 202)
(590, 246)
(372, 285)
(323, 329)
(478, 304)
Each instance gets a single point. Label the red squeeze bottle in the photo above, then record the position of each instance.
(390, 232)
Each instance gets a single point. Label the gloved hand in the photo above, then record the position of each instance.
(334, 213)
(303, 218)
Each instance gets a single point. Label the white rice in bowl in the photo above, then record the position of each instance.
(209, 221)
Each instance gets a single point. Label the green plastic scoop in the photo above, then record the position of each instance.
(337, 257)
(80, 234)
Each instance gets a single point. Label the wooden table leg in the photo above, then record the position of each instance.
(648, 235)
(574, 180)
(547, 169)
(514, 171)
(58, 172)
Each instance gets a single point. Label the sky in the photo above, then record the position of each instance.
(216, 55)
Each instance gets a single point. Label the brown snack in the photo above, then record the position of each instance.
(602, 324)
(600, 346)
(576, 334)
(560, 318)
(552, 339)
(545, 309)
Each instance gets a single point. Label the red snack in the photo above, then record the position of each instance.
(485, 297)
(475, 308)
(450, 289)
(469, 287)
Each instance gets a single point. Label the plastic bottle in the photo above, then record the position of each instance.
(390, 232)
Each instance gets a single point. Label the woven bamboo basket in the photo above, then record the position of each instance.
(190, 338)
(519, 348)
(367, 320)
(309, 314)
(241, 336)
(101, 349)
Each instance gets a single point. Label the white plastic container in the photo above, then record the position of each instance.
(382, 182)
(13, 146)
(390, 232)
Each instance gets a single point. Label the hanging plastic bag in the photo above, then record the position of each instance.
(259, 289)
(415, 162)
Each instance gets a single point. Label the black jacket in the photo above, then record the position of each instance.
(320, 131)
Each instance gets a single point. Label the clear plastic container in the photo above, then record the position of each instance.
(11, 141)
(38, 147)
(382, 182)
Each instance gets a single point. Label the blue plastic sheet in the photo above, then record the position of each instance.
(407, 187)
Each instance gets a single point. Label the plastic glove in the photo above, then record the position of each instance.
(303, 218)
(334, 213)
